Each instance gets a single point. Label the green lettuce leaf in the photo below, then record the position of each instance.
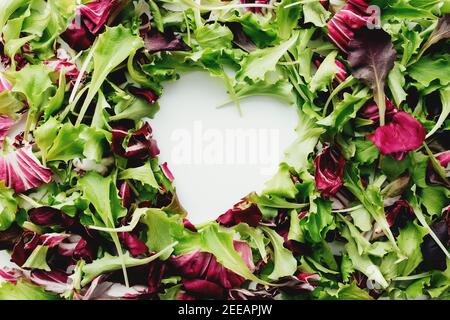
(111, 48)
(315, 13)
(23, 290)
(8, 207)
(256, 65)
(143, 174)
(281, 184)
(162, 230)
(284, 263)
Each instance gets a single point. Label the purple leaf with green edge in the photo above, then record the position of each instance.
(441, 32)
(371, 58)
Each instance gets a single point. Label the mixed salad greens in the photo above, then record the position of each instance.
(359, 208)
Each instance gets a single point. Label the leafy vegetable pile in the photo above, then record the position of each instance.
(359, 208)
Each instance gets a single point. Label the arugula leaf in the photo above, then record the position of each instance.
(366, 151)
(274, 202)
(280, 89)
(435, 199)
(396, 83)
(110, 263)
(345, 110)
(101, 192)
(318, 221)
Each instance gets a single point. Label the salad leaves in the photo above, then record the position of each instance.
(359, 206)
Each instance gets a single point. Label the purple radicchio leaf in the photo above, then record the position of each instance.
(189, 225)
(10, 275)
(147, 94)
(30, 240)
(398, 215)
(329, 171)
(155, 41)
(141, 145)
(95, 14)
(89, 22)
(10, 237)
(299, 282)
(255, 8)
(53, 281)
(100, 289)
(4, 84)
(48, 216)
(403, 133)
(22, 171)
(370, 111)
(78, 248)
(443, 158)
(346, 22)
(77, 36)
(282, 225)
(243, 211)
(203, 288)
(240, 38)
(203, 276)
(62, 63)
(125, 194)
(132, 243)
(371, 58)
(433, 257)
(5, 124)
(165, 169)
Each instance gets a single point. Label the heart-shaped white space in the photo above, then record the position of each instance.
(216, 155)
